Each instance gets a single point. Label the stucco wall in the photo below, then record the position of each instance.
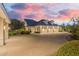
(44, 29)
(1, 32)
(6, 31)
(4, 21)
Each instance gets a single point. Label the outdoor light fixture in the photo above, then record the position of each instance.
(4, 27)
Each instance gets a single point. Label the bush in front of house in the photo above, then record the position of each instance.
(70, 48)
(60, 30)
(23, 31)
(12, 33)
(19, 31)
(37, 32)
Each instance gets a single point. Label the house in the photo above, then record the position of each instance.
(30, 24)
(4, 21)
(42, 26)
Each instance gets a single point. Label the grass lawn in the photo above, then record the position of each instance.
(70, 48)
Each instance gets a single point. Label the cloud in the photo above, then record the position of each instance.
(73, 12)
(64, 12)
(57, 12)
(66, 15)
(30, 16)
(13, 15)
(18, 6)
(38, 11)
(69, 12)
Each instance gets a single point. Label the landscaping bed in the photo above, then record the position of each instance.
(17, 32)
(70, 48)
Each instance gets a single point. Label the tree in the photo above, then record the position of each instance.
(63, 27)
(16, 24)
(75, 28)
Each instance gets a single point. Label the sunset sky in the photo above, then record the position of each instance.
(59, 12)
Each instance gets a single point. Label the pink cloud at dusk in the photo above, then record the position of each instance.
(39, 14)
(73, 12)
(67, 15)
(59, 12)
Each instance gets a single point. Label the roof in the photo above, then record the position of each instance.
(3, 13)
(51, 22)
(30, 22)
(43, 22)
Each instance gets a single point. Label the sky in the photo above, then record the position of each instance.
(59, 12)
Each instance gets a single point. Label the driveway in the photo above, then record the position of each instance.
(33, 45)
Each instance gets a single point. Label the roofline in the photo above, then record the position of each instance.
(4, 10)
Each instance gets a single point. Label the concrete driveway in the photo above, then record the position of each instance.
(33, 45)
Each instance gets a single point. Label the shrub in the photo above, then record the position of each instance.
(22, 31)
(19, 31)
(69, 49)
(27, 32)
(60, 30)
(76, 35)
(37, 32)
(12, 33)
(75, 28)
